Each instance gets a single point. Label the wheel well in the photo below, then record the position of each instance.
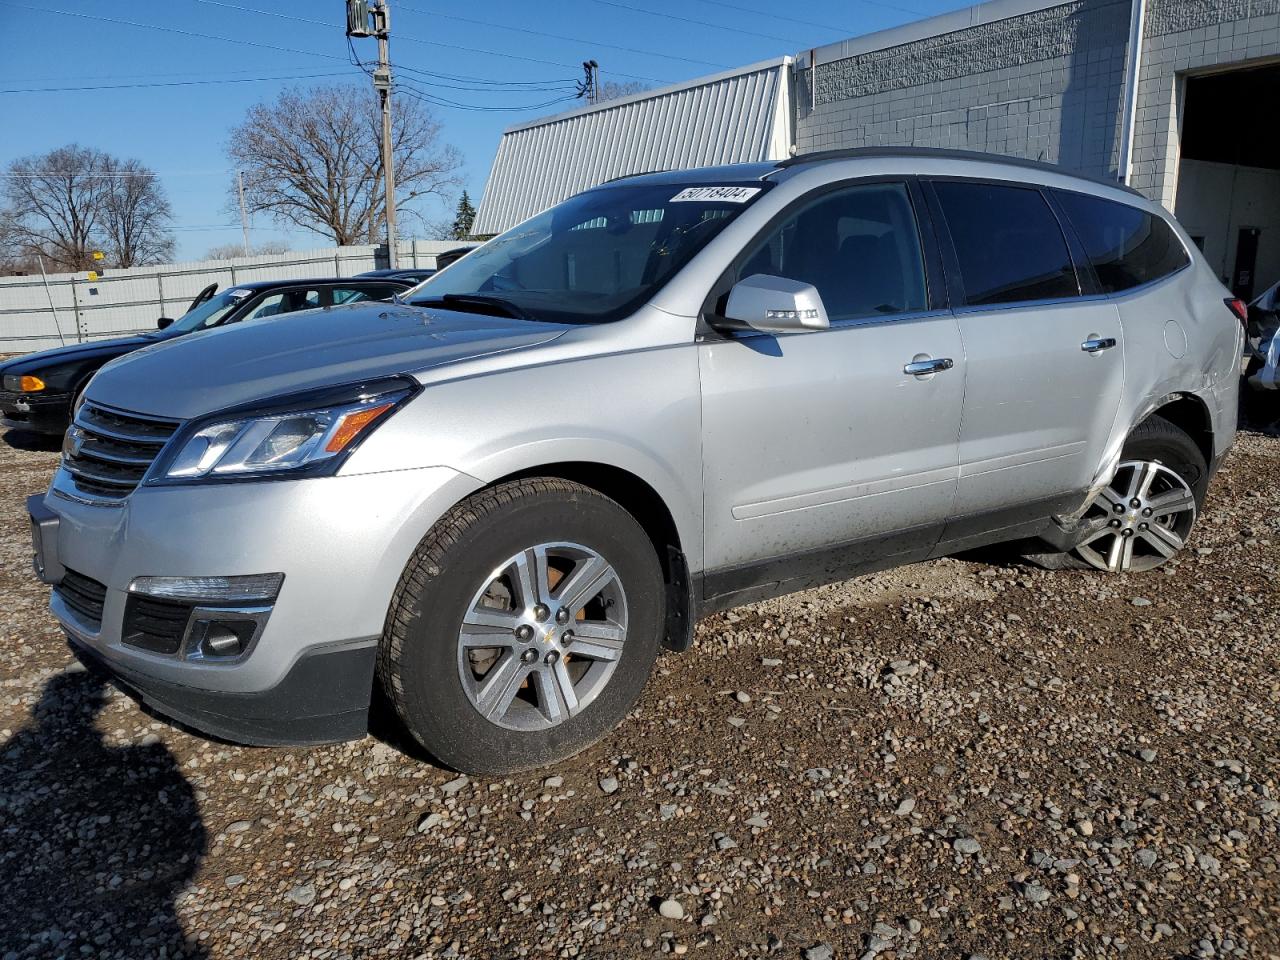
(645, 504)
(1189, 414)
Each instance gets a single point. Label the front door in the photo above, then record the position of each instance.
(821, 453)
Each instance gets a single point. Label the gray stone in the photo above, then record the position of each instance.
(966, 845)
(303, 894)
(1035, 893)
(453, 786)
(609, 784)
(671, 909)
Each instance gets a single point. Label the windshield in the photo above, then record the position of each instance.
(210, 312)
(594, 258)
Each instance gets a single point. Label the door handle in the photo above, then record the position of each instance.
(1098, 344)
(921, 368)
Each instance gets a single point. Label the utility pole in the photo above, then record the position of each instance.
(244, 217)
(382, 83)
(373, 19)
(589, 86)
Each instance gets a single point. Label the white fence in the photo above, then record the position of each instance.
(72, 309)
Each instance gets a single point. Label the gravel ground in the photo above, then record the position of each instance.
(959, 759)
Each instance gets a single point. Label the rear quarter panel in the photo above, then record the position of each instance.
(1180, 338)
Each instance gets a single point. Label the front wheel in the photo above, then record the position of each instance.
(524, 627)
(1144, 516)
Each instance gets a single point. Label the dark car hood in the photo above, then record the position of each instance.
(258, 359)
(45, 359)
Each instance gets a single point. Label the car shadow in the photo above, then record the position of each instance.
(96, 841)
(28, 440)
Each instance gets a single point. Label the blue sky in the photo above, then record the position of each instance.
(180, 131)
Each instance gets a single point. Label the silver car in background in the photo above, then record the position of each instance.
(666, 396)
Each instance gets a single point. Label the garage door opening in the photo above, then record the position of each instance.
(1229, 176)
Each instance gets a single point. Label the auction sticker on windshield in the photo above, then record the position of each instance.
(721, 194)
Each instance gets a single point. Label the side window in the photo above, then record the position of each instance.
(1008, 242)
(1126, 246)
(356, 294)
(858, 246)
(284, 301)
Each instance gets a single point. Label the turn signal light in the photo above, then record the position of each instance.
(27, 383)
(352, 425)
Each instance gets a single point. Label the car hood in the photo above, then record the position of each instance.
(260, 359)
(45, 359)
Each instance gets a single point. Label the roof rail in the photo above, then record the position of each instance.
(638, 173)
(943, 153)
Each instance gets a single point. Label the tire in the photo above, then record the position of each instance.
(1179, 478)
(438, 680)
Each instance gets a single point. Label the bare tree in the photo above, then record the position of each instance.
(65, 204)
(56, 200)
(313, 159)
(228, 251)
(136, 217)
(611, 90)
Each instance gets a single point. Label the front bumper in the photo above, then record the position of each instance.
(40, 413)
(324, 698)
(341, 542)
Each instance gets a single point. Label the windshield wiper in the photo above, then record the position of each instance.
(464, 300)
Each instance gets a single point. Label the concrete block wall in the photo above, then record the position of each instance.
(1186, 37)
(1050, 88)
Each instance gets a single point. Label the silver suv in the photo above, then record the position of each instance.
(495, 500)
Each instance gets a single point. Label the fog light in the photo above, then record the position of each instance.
(222, 638)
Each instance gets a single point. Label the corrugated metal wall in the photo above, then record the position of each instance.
(131, 300)
(740, 116)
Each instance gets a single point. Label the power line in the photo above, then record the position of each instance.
(172, 83)
(150, 74)
(417, 93)
(557, 36)
(700, 23)
(561, 86)
(399, 36)
(164, 29)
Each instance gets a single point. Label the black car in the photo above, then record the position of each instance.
(413, 274)
(37, 391)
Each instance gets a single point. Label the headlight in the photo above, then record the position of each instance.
(22, 384)
(277, 441)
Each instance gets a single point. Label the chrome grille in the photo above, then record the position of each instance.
(107, 452)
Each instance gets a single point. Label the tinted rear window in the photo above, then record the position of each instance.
(1008, 242)
(1126, 246)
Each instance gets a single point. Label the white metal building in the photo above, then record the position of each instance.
(1176, 97)
(736, 116)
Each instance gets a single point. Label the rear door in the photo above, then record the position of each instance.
(821, 452)
(1045, 357)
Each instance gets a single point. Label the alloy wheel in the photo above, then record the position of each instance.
(542, 636)
(1140, 519)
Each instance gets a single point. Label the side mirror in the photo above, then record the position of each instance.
(774, 305)
(163, 322)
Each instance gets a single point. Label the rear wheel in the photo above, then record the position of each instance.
(524, 627)
(1143, 517)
